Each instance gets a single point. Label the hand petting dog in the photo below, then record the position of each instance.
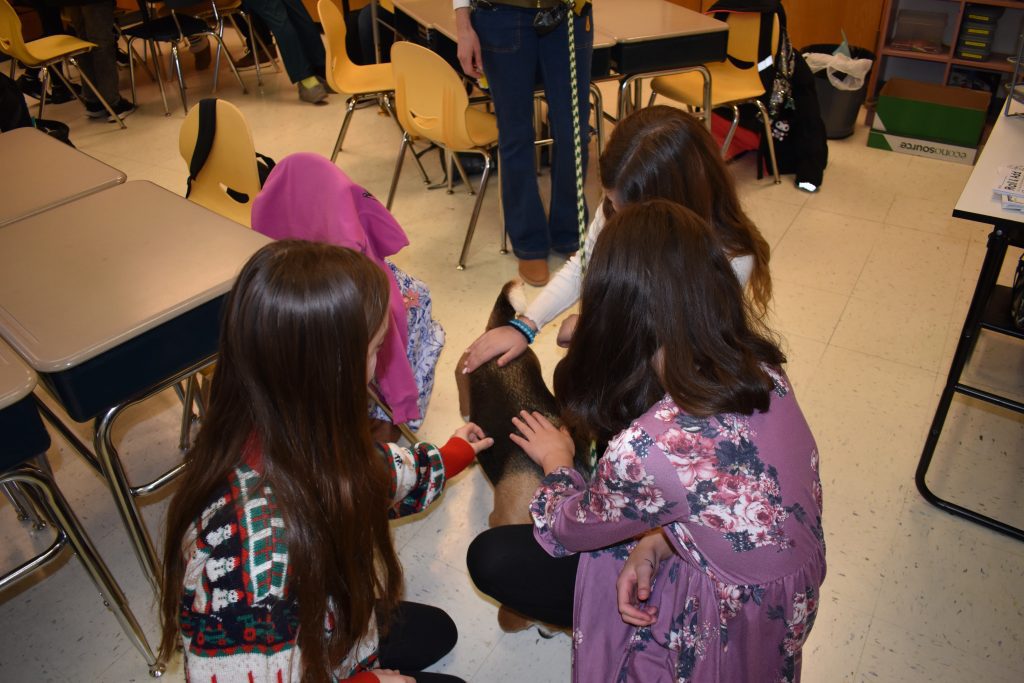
(549, 446)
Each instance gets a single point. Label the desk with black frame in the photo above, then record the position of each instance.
(990, 305)
(112, 299)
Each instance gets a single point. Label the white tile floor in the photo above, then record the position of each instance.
(872, 278)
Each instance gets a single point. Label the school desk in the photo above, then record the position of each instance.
(990, 304)
(39, 172)
(23, 445)
(113, 298)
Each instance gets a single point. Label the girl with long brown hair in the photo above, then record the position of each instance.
(658, 152)
(279, 564)
(699, 539)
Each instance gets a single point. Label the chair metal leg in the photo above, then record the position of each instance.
(476, 209)
(398, 169)
(732, 130)
(598, 106)
(188, 399)
(74, 91)
(181, 78)
(70, 531)
(501, 210)
(394, 117)
(22, 505)
(219, 32)
(349, 108)
(231, 63)
(158, 66)
(771, 140)
(448, 170)
(462, 173)
(45, 73)
(106, 105)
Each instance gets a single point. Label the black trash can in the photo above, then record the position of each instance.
(839, 108)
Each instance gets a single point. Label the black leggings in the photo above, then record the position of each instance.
(507, 564)
(419, 636)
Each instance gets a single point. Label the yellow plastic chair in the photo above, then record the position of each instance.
(431, 103)
(731, 85)
(44, 53)
(231, 163)
(362, 83)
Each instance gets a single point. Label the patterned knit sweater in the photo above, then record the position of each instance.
(238, 619)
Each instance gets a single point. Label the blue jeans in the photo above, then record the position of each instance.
(515, 60)
(298, 38)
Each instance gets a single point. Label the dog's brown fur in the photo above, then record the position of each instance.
(491, 396)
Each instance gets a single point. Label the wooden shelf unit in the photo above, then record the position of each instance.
(884, 51)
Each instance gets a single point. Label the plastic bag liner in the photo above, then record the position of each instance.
(843, 72)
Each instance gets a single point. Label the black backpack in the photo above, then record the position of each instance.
(14, 113)
(204, 143)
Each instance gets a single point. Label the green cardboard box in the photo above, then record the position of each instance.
(939, 117)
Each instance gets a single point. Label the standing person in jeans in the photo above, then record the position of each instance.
(94, 21)
(298, 39)
(497, 40)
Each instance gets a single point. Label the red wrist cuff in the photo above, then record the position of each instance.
(456, 456)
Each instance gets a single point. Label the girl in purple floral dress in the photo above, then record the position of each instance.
(714, 489)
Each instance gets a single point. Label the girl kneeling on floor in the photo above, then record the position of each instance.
(279, 564)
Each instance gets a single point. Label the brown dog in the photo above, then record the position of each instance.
(491, 396)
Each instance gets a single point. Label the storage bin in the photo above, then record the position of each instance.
(984, 14)
(919, 31)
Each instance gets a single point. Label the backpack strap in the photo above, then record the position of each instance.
(204, 139)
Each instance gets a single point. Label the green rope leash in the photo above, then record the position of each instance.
(577, 145)
(581, 209)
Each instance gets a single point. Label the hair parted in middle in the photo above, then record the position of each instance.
(661, 152)
(662, 312)
(291, 375)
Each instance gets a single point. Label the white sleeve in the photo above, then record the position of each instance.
(742, 266)
(564, 288)
(459, 4)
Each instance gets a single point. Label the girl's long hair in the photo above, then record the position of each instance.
(659, 284)
(292, 374)
(661, 152)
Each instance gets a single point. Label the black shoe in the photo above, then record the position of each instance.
(30, 85)
(122, 109)
(95, 110)
(59, 93)
(122, 57)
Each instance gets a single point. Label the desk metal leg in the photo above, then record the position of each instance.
(123, 492)
(997, 243)
(70, 531)
(113, 471)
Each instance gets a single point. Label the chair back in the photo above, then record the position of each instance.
(230, 164)
(11, 41)
(341, 71)
(430, 99)
(745, 36)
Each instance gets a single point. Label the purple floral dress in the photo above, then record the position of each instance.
(739, 498)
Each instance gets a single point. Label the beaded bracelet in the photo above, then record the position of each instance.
(524, 329)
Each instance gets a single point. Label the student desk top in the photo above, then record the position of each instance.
(40, 172)
(990, 304)
(114, 297)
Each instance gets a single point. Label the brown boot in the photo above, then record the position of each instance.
(534, 271)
